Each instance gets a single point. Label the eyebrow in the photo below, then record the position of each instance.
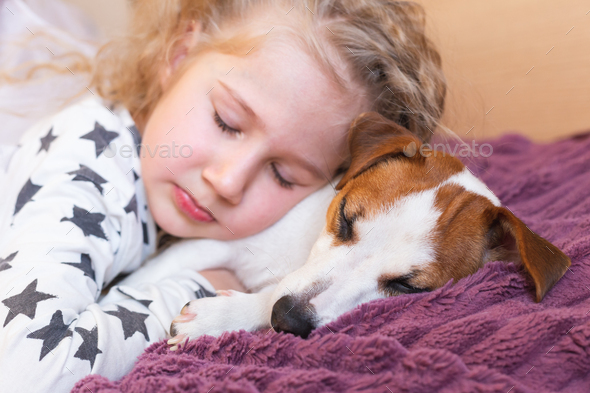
(303, 162)
(243, 104)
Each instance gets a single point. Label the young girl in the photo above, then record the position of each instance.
(209, 119)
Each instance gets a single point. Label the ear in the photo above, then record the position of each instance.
(371, 138)
(179, 51)
(511, 240)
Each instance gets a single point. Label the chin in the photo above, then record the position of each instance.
(172, 221)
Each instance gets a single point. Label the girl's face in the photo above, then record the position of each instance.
(246, 138)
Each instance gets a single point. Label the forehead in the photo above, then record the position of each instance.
(287, 71)
(285, 86)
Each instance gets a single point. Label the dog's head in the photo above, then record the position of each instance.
(404, 222)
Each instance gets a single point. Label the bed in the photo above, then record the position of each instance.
(484, 333)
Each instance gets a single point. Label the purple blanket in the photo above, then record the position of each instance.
(485, 333)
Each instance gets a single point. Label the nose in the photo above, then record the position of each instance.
(291, 316)
(228, 179)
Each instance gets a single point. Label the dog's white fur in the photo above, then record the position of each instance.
(260, 262)
(296, 254)
(469, 182)
(396, 241)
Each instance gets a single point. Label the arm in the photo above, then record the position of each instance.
(63, 240)
(223, 279)
(190, 254)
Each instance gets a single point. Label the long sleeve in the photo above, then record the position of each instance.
(73, 217)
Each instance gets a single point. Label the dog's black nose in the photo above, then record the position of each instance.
(292, 317)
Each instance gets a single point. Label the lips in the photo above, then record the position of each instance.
(189, 206)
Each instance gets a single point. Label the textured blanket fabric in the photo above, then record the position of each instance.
(484, 333)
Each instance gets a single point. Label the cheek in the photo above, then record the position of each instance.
(171, 150)
(264, 204)
(262, 209)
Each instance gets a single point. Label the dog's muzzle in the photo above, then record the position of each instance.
(292, 316)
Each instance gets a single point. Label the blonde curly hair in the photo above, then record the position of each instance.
(383, 44)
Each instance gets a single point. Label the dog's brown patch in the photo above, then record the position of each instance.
(460, 238)
(382, 185)
(388, 164)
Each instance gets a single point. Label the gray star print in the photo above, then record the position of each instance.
(46, 141)
(132, 206)
(88, 350)
(132, 322)
(87, 174)
(202, 292)
(25, 303)
(51, 334)
(88, 222)
(25, 195)
(100, 137)
(146, 302)
(4, 261)
(136, 137)
(85, 265)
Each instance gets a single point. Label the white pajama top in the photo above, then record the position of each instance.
(73, 216)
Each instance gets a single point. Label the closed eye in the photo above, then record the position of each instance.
(225, 128)
(401, 285)
(345, 225)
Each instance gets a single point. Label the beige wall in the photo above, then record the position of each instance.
(488, 47)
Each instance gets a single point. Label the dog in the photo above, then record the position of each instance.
(402, 222)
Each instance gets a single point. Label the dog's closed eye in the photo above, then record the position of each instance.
(400, 286)
(345, 225)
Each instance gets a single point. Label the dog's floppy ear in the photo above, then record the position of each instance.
(511, 240)
(372, 137)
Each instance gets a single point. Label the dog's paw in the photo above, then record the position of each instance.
(230, 310)
(209, 315)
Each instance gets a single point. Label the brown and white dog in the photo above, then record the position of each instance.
(403, 222)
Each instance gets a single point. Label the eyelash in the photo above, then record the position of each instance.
(402, 286)
(225, 128)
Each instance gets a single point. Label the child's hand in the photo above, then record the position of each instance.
(223, 279)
